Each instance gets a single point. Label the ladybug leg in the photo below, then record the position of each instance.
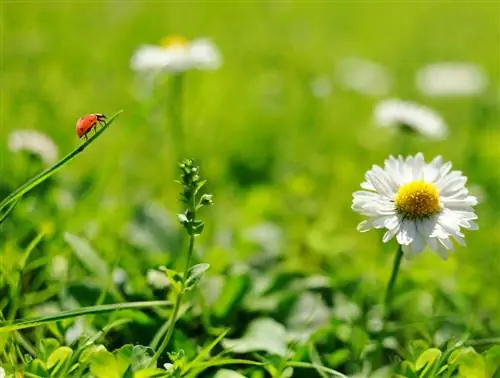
(86, 137)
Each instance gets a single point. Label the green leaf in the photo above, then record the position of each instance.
(47, 346)
(225, 373)
(103, 364)
(44, 175)
(28, 323)
(194, 275)
(141, 357)
(492, 357)
(470, 363)
(88, 256)
(37, 367)
(427, 359)
(263, 334)
(57, 358)
(150, 373)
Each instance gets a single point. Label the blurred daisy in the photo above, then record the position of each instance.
(410, 116)
(157, 279)
(364, 76)
(419, 203)
(451, 79)
(177, 54)
(34, 142)
(2, 372)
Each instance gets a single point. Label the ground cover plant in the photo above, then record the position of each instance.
(215, 223)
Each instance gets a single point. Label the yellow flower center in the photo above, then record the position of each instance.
(174, 41)
(417, 200)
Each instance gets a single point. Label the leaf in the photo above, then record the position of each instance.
(470, 363)
(44, 175)
(88, 256)
(492, 357)
(47, 346)
(151, 373)
(427, 359)
(194, 275)
(263, 334)
(57, 358)
(33, 322)
(225, 373)
(141, 357)
(103, 364)
(37, 367)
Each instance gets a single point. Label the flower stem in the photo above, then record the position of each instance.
(175, 311)
(176, 114)
(394, 275)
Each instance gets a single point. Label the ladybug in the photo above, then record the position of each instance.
(87, 123)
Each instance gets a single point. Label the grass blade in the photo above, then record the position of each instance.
(34, 322)
(44, 175)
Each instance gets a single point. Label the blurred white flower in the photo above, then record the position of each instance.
(451, 79)
(119, 276)
(321, 87)
(2, 372)
(34, 142)
(157, 279)
(177, 54)
(59, 268)
(421, 204)
(75, 331)
(364, 76)
(409, 115)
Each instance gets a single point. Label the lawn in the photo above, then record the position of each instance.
(283, 139)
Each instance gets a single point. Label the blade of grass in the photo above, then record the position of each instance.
(44, 175)
(307, 365)
(34, 322)
(6, 213)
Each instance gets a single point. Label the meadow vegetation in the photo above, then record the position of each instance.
(206, 229)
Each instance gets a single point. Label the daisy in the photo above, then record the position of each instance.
(418, 203)
(451, 79)
(410, 116)
(177, 54)
(364, 76)
(34, 142)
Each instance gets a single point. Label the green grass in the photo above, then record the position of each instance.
(272, 154)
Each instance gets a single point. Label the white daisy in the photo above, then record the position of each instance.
(451, 79)
(34, 142)
(410, 116)
(364, 76)
(2, 372)
(420, 204)
(177, 54)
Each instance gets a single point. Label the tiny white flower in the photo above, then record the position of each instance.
(34, 142)
(157, 279)
(364, 76)
(119, 276)
(418, 203)
(451, 79)
(2, 372)
(59, 266)
(410, 116)
(177, 54)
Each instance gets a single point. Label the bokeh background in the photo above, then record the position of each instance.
(281, 158)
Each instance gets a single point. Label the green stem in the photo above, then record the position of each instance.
(176, 114)
(173, 316)
(394, 275)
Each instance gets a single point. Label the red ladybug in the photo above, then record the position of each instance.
(89, 122)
